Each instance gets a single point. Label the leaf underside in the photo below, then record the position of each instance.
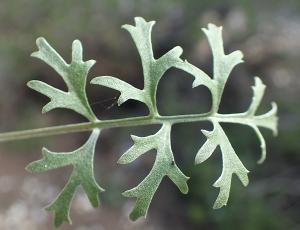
(75, 76)
(223, 65)
(164, 165)
(83, 174)
(153, 69)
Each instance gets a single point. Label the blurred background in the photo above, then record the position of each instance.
(267, 32)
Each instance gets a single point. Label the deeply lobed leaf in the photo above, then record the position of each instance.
(73, 74)
(164, 165)
(231, 162)
(153, 69)
(82, 160)
(223, 65)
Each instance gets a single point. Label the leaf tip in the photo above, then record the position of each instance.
(127, 27)
(258, 81)
(76, 43)
(211, 27)
(46, 108)
(35, 54)
(90, 63)
(178, 51)
(31, 84)
(243, 176)
(121, 100)
(185, 190)
(133, 216)
(121, 161)
(139, 20)
(218, 205)
(97, 80)
(199, 159)
(274, 109)
(263, 155)
(40, 41)
(29, 167)
(58, 219)
(195, 84)
(77, 51)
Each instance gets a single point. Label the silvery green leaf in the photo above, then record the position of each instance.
(222, 63)
(127, 91)
(164, 165)
(82, 160)
(201, 78)
(258, 93)
(153, 69)
(208, 147)
(73, 74)
(231, 162)
(268, 120)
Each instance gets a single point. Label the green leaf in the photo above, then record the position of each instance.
(73, 74)
(223, 64)
(258, 93)
(268, 120)
(231, 162)
(153, 69)
(127, 91)
(82, 160)
(164, 165)
(201, 78)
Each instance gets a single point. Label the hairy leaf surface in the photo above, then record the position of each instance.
(153, 69)
(82, 160)
(223, 65)
(164, 165)
(73, 74)
(231, 162)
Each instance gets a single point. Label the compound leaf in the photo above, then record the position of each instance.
(75, 74)
(82, 160)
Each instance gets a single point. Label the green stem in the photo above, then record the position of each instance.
(124, 122)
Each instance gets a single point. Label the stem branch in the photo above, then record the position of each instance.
(124, 122)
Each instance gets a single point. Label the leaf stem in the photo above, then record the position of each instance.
(114, 123)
